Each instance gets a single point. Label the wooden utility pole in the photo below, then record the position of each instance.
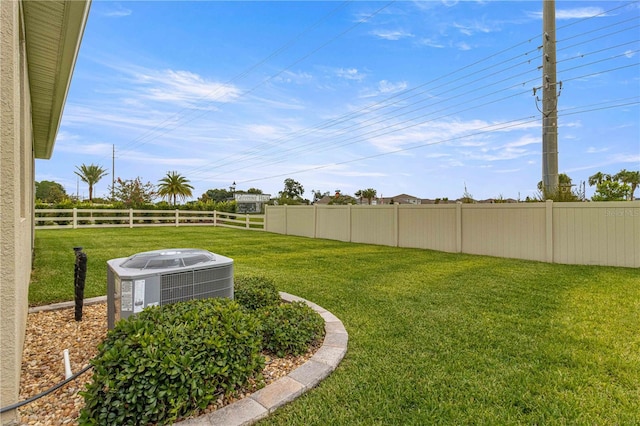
(549, 99)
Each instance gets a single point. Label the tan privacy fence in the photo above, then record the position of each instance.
(605, 233)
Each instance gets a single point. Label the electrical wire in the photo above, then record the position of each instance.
(273, 76)
(181, 113)
(46, 392)
(359, 125)
(349, 125)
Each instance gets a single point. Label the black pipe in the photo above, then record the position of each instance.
(45, 393)
(80, 275)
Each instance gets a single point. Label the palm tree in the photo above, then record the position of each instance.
(359, 195)
(630, 178)
(369, 194)
(598, 178)
(174, 185)
(91, 175)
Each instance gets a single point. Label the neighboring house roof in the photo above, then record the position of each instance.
(324, 200)
(401, 199)
(53, 31)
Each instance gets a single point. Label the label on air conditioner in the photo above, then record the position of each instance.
(126, 302)
(138, 303)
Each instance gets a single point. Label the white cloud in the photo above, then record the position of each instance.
(76, 147)
(594, 150)
(436, 155)
(576, 13)
(293, 77)
(184, 87)
(384, 87)
(579, 13)
(387, 87)
(463, 46)
(523, 141)
(430, 43)
(118, 12)
(148, 159)
(391, 34)
(473, 28)
(350, 74)
(472, 133)
(507, 171)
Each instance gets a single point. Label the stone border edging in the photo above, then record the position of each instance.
(261, 403)
(265, 401)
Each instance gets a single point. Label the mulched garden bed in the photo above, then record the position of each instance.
(50, 332)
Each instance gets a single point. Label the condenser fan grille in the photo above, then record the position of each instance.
(199, 284)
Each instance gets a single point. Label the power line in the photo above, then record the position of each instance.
(273, 76)
(359, 125)
(181, 113)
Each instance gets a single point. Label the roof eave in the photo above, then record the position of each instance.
(51, 50)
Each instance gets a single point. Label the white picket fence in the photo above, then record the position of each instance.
(130, 218)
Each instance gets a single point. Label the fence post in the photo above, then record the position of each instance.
(458, 227)
(130, 218)
(177, 217)
(396, 224)
(286, 221)
(264, 218)
(246, 216)
(350, 225)
(75, 218)
(315, 221)
(549, 229)
(215, 218)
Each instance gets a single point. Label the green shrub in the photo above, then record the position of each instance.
(167, 362)
(255, 292)
(290, 328)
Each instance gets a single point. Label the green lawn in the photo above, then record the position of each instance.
(434, 338)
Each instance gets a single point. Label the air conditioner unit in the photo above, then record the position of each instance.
(161, 277)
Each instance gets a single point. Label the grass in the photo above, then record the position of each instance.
(434, 338)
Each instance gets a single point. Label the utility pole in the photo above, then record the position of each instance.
(549, 99)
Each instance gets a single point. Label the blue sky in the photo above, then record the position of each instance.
(419, 97)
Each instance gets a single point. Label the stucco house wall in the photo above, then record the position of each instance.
(39, 42)
(16, 201)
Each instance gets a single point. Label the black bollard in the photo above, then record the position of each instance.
(80, 274)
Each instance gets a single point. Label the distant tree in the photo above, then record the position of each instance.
(90, 175)
(340, 199)
(631, 178)
(254, 191)
(133, 193)
(598, 178)
(50, 192)
(292, 191)
(564, 192)
(611, 190)
(174, 186)
(368, 193)
(618, 187)
(318, 195)
(217, 195)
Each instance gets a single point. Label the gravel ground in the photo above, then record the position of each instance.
(50, 332)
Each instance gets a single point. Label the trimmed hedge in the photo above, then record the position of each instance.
(255, 292)
(166, 362)
(290, 328)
